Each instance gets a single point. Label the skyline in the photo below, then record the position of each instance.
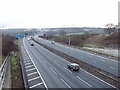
(119, 12)
(57, 13)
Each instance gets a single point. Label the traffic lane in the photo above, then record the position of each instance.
(83, 76)
(34, 80)
(65, 76)
(33, 77)
(94, 57)
(79, 83)
(102, 63)
(72, 51)
(46, 73)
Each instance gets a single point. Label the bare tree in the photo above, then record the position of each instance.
(8, 44)
(109, 25)
(109, 28)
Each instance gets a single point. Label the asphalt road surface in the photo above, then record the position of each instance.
(54, 72)
(101, 62)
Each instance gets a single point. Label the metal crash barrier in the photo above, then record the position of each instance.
(3, 70)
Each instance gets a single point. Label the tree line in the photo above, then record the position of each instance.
(8, 44)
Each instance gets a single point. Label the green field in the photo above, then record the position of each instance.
(75, 33)
(72, 34)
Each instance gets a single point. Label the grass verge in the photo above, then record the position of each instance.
(100, 53)
(16, 76)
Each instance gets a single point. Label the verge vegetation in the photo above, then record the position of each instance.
(10, 45)
(16, 76)
(101, 41)
(90, 40)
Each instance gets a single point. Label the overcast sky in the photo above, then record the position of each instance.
(119, 13)
(58, 13)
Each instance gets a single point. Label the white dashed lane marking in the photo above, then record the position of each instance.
(65, 83)
(84, 81)
(53, 71)
(67, 70)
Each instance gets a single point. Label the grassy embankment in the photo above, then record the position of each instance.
(16, 75)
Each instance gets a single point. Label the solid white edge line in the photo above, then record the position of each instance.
(84, 81)
(36, 85)
(35, 67)
(31, 73)
(33, 78)
(99, 79)
(65, 83)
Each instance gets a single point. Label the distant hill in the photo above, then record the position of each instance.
(53, 31)
(68, 30)
(22, 31)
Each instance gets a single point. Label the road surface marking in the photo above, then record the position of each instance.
(35, 66)
(95, 76)
(53, 71)
(99, 79)
(84, 81)
(65, 83)
(31, 73)
(30, 69)
(102, 80)
(29, 66)
(28, 63)
(67, 70)
(36, 85)
(33, 79)
(26, 59)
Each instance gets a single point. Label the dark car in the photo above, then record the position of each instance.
(74, 66)
(52, 42)
(32, 44)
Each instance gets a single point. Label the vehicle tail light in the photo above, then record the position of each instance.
(76, 67)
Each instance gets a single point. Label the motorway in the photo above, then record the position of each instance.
(54, 72)
(101, 62)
